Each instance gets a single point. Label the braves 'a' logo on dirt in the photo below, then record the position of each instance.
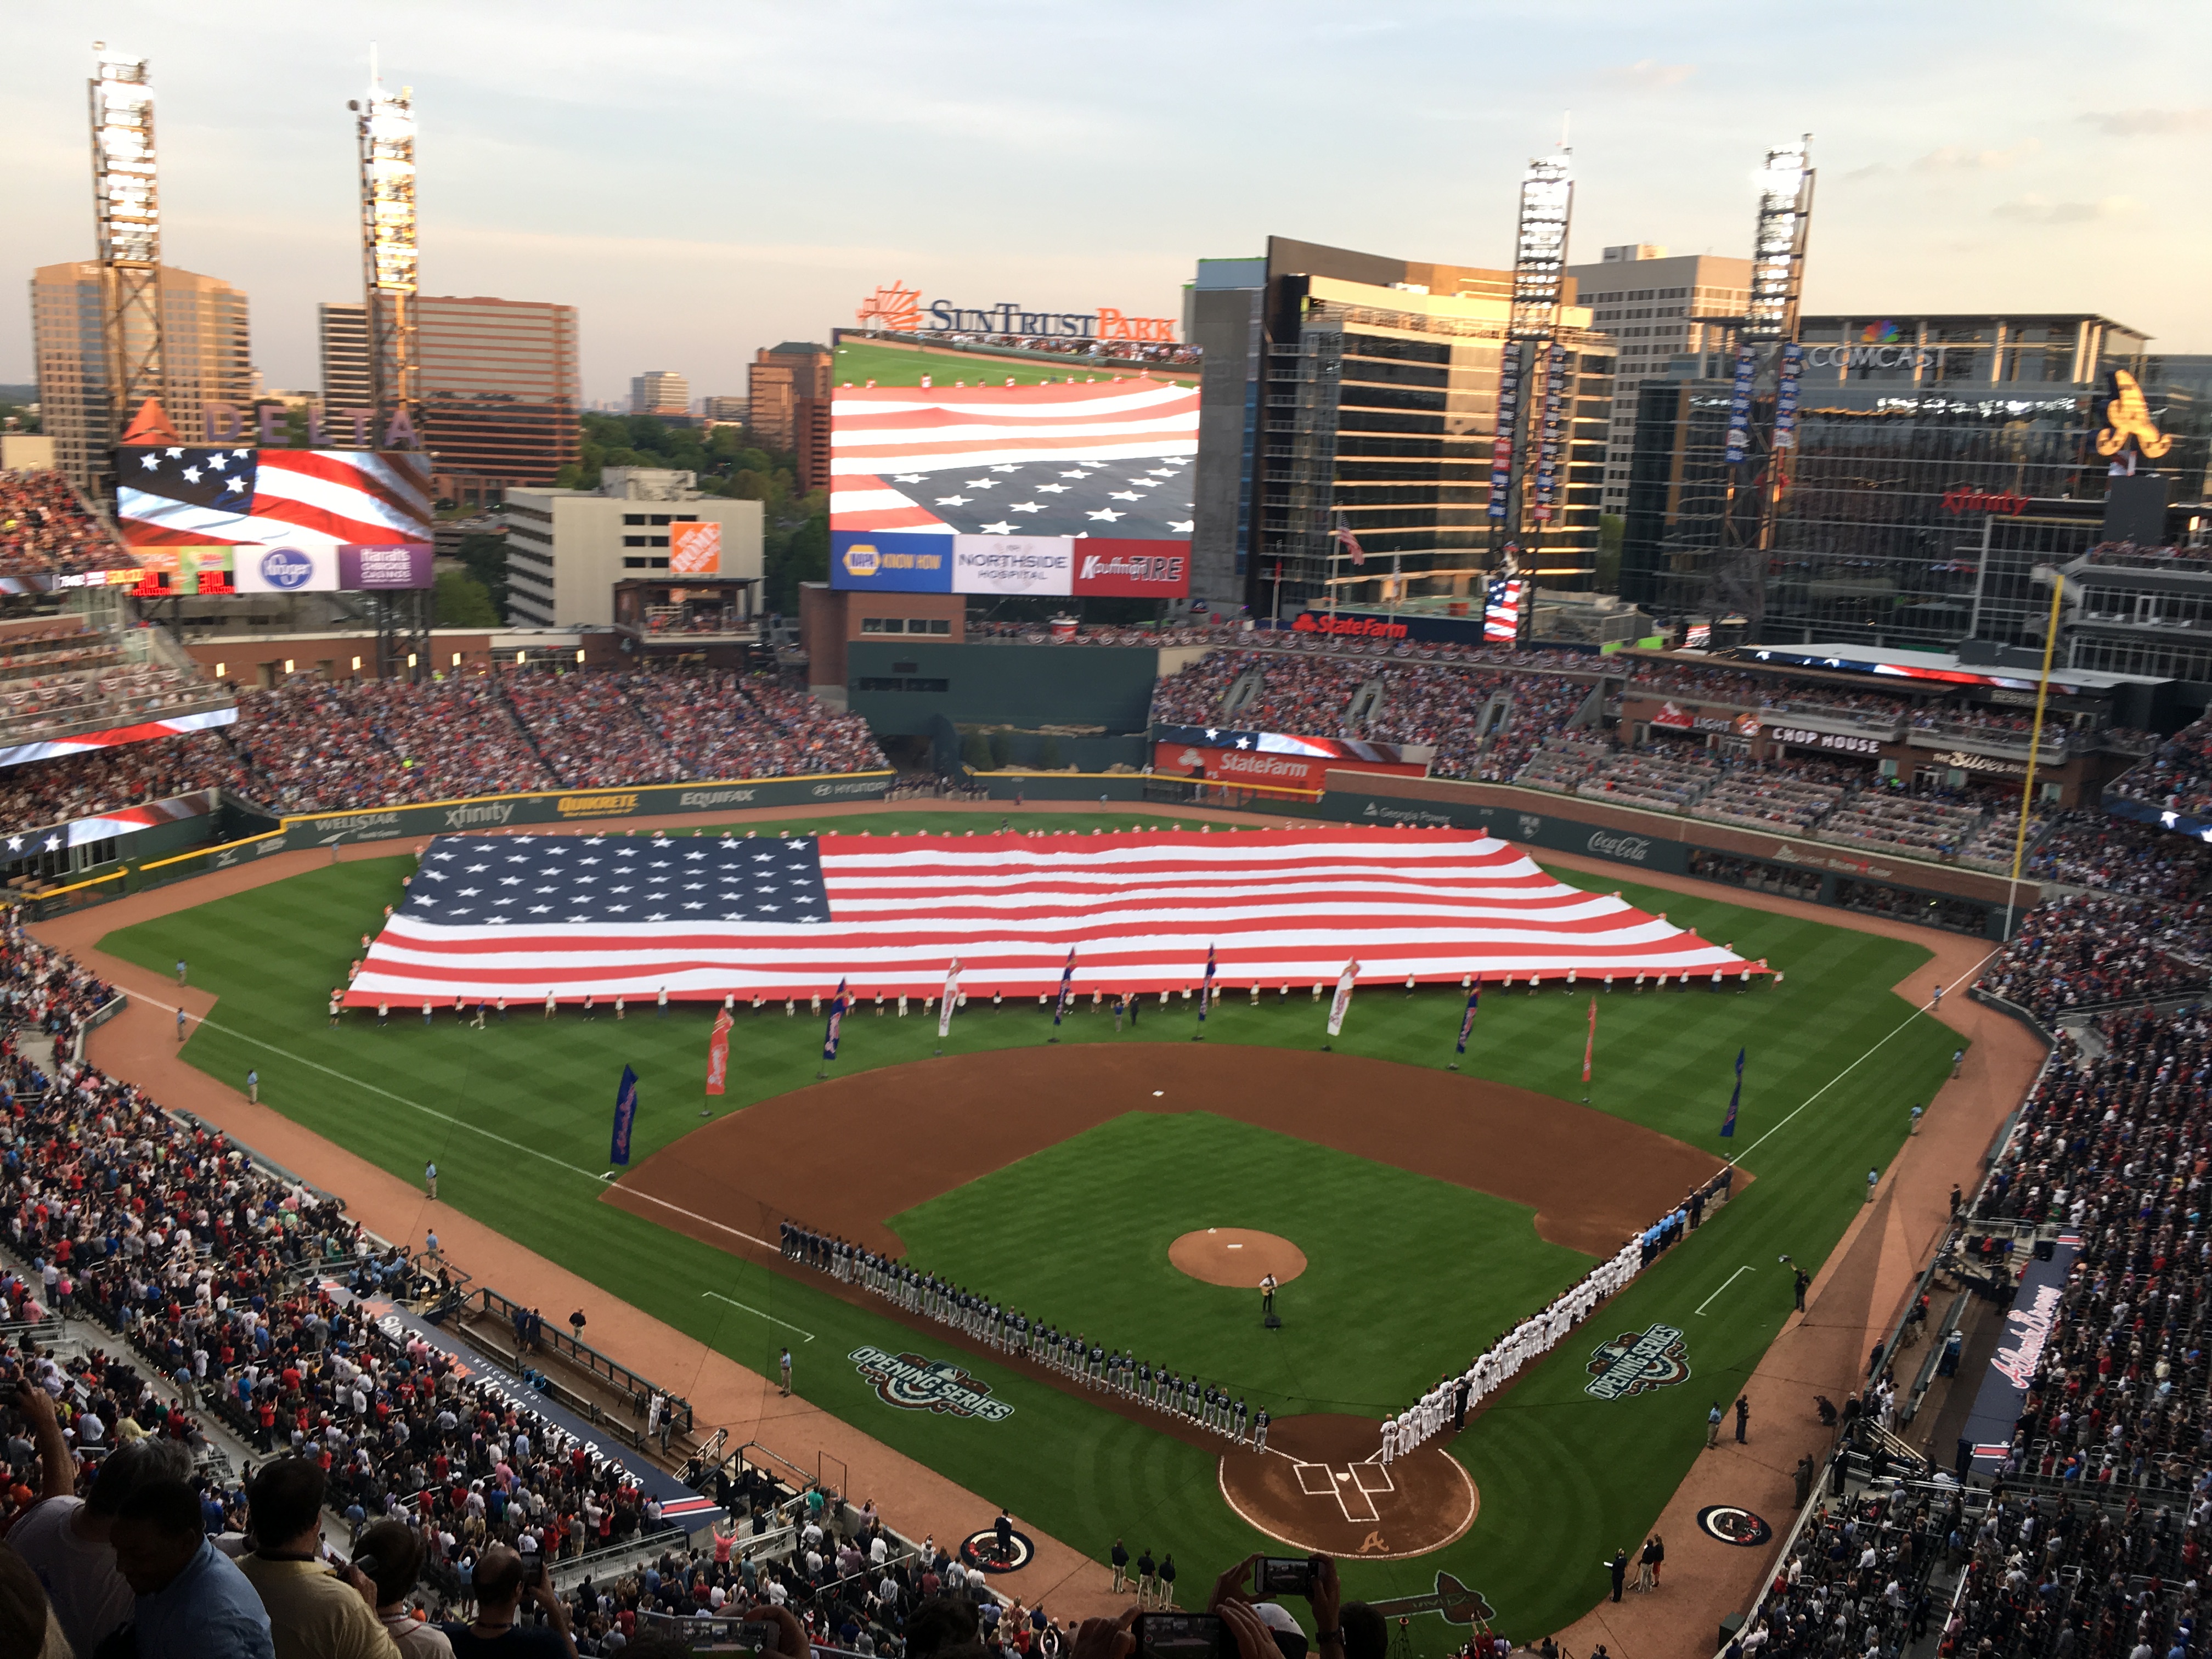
(1633, 1365)
(914, 1384)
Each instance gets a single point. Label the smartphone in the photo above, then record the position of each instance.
(368, 1565)
(757, 1634)
(533, 1576)
(1184, 1636)
(1285, 1575)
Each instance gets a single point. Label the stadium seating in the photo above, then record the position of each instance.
(47, 530)
(2178, 776)
(315, 745)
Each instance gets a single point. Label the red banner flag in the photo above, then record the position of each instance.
(718, 1054)
(1589, 1047)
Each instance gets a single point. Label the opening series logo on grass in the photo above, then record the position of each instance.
(916, 1384)
(1631, 1364)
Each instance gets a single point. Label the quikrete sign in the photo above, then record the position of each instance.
(902, 310)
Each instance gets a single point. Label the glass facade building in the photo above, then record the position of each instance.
(1934, 472)
(1348, 390)
(502, 394)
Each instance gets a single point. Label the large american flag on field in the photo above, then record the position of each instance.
(193, 496)
(1100, 458)
(524, 916)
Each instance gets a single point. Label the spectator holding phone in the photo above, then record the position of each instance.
(313, 1613)
(496, 1632)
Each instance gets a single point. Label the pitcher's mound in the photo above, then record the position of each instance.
(1322, 1485)
(1236, 1257)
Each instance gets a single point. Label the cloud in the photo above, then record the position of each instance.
(1956, 158)
(2035, 210)
(1650, 74)
(2149, 122)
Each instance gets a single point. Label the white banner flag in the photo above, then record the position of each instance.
(1343, 999)
(951, 996)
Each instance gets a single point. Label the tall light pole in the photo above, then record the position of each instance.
(126, 206)
(385, 132)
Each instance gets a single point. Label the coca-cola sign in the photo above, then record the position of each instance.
(1635, 849)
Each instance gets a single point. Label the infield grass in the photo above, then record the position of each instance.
(1565, 1478)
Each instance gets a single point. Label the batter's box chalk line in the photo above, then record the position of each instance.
(1354, 1486)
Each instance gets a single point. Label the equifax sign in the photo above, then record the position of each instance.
(899, 309)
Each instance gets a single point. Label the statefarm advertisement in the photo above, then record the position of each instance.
(960, 472)
(1277, 760)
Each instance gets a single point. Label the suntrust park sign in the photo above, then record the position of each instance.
(902, 310)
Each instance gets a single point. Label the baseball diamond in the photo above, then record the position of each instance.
(1018, 1245)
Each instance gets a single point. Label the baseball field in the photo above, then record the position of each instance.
(1433, 1209)
(860, 362)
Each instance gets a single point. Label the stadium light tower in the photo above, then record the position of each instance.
(1525, 368)
(1769, 362)
(126, 207)
(385, 130)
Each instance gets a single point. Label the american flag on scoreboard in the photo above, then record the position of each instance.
(1104, 457)
(1501, 612)
(194, 496)
(524, 916)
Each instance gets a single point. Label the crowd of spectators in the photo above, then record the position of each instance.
(1109, 352)
(1856, 1578)
(46, 529)
(2086, 950)
(2085, 847)
(2178, 776)
(315, 745)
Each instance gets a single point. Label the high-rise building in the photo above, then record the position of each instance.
(571, 553)
(501, 394)
(659, 391)
(1940, 462)
(341, 333)
(1658, 309)
(724, 412)
(1350, 392)
(207, 358)
(776, 379)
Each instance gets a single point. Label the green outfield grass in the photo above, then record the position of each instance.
(859, 362)
(517, 1118)
(1130, 1187)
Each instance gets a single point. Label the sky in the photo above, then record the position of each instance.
(704, 179)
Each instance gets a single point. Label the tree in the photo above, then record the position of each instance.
(975, 752)
(1002, 749)
(1048, 758)
(460, 600)
(485, 557)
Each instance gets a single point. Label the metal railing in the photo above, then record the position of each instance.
(637, 1389)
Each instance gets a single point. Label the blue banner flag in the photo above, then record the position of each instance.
(1467, 1023)
(625, 1117)
(1735, 1099)
(1205, 986)
(836, 1018)
(1066, 990)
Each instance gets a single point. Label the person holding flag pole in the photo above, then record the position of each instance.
(1205, 997)
(718, 1056)
(1466, 1021)
(837, 1006)
(951, 996)
(1066, 994)
(1589, 1051)
(1735, 1099)
(1341, 1001)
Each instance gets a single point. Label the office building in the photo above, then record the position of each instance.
(501, 394)
(1941, 461)
(1351, 390)
(1658, 309)
(659, 391)
(568, 551)
(723, 412)
(776, 380)
(206, 358)
(342, 338)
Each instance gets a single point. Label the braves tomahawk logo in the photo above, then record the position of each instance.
(1633, 1365)
(1457, 1602)
(916, 1384)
